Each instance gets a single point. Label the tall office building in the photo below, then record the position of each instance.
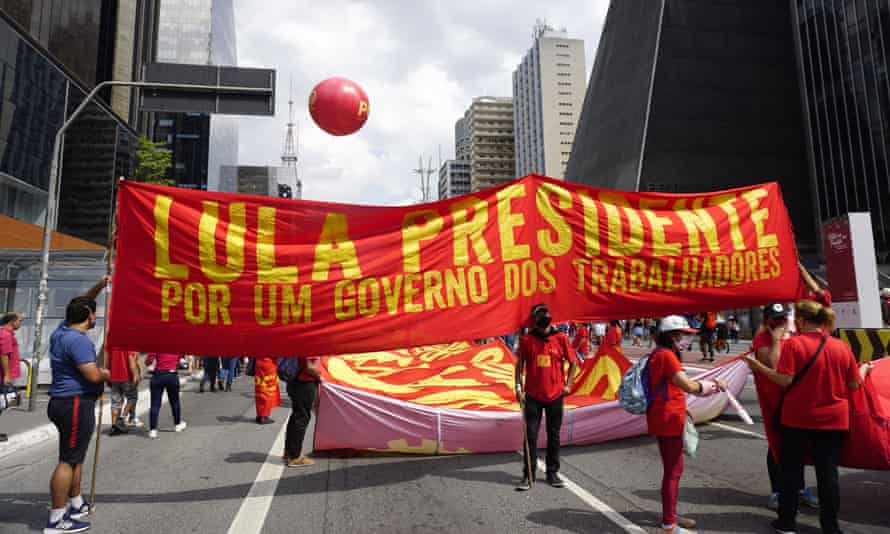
(259, 180)
(461, 139)
(843, 50)
(454, 178)
(548, 93)
(197, 32)
(691, 96)
(52, 53)
(488, 125)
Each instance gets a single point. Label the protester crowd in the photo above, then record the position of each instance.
(803, 378)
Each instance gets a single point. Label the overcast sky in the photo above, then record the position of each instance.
(421, 63)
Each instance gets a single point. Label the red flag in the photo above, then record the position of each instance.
(600, 376)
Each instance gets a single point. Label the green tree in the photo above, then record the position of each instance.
(153, 162)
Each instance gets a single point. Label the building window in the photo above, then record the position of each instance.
(563, 74)
(565, 93)
(566, 124)
(565, 113)
(569, 104)
(564, 84)
(559, 54)
(558, 45)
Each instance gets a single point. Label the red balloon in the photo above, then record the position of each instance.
(339, 106)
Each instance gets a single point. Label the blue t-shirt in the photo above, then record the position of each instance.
(68, 349)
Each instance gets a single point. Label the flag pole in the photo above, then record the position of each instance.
(528, 456)
(112, 241)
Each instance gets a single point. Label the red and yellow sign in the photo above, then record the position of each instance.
(217, 273)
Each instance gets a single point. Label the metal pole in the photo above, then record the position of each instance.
(53, 203)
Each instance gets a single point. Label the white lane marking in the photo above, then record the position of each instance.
(597, 504)
(47, 431)
(255, 507)
(737, 430)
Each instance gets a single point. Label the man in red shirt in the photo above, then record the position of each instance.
(9, 353)
(581, 343)
(543, 353)
(125, 377)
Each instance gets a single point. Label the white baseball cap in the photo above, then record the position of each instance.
(673, 323)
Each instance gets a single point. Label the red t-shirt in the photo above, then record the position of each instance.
(665, 417)
(820, 399)
(543, 359)
(9, 345)
(613, 335)
(165, 361)
(582, 340)
(303, 376)
(768, 392)
(119, 366)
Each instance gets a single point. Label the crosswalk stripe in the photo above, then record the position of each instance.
(253, 511)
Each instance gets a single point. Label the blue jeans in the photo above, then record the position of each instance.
(227, 370)
(164, 381)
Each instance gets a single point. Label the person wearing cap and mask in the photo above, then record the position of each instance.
(767, 347)
(815, 415)
(541, 362)
(666, 417)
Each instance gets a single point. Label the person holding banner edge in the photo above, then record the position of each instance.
(542, 355)
(815, 415)
(77, 383)
(666, 415)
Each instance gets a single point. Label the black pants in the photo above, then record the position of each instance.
(163, 381)
(302, 397)
(775, 473)
(826, 449)
(706, 343)
(533, 410)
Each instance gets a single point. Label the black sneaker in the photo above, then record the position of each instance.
(3, 437)
(117, 429)
(782, 529)
(555, 480)
(524, 485)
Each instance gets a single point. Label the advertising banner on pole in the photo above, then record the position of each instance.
(849, 248)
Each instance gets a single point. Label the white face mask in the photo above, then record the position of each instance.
(682, 342)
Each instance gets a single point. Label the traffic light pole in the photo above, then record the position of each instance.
(53, 202)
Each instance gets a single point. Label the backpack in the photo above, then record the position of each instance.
(635, 394)
(288, 368)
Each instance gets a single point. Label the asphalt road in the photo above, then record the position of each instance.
(200, 480)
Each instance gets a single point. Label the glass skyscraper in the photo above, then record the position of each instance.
(37, 92)
(843, 48)
(197, 32)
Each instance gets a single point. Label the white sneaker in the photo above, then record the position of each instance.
(180, 427)
(135, 423)
(153, 434)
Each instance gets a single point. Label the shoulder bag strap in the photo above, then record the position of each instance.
(797, 376)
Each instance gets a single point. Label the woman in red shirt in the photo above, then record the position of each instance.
(767, 347)
(813, 415)
(164, 378)
(666, 416)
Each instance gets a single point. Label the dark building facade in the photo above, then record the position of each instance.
(697, 95)
(197, 32)
(37, 92)
(843, 48)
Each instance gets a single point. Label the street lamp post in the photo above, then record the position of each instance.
(53, 201)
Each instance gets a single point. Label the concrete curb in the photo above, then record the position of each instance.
(45, 432)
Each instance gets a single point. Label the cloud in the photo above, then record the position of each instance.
(421, 63)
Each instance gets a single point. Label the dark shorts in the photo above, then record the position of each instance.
(75, 419)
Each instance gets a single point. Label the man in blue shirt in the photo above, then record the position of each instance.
(77, 382)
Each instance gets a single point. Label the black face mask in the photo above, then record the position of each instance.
(543, 322)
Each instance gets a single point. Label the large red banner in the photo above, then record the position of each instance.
(218, 273)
